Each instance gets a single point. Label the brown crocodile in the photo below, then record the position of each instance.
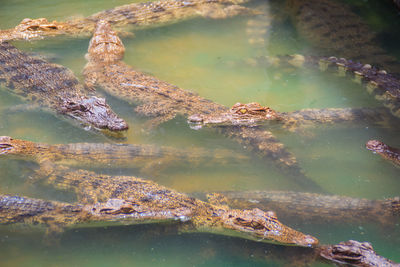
(253, 114)
(59, 215)
(164, 101)
(147, 158)
(384, 86)
(137, 14)
(138, 199)
(55, 88)
(389, 153)
(307, 207)
(331, 27)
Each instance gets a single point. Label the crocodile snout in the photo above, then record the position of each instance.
(375, 145)
(307, 241)
(95, 112)
(118, 125)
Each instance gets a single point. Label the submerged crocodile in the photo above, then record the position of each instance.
(334, 29)
(137, 199)
(253, 114)
(164, 101)
(138, 14)
(385, 87)
(258, 28)
(145, 157)
(307, 207)
(58, 215)
(389, 153)
(55, 88)
(349, 253)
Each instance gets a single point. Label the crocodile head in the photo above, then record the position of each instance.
(265, 225)
(354, 253)
(376, 146)
(11, 146)
(105, 45)
(94, 112)
(251, 114)
(33, 28)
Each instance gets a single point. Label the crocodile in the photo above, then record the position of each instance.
(389, 153)
(147, 158)
(136, 14)
(253, 114)
(138, 199)
(59, 215)
(162, 101)
(307, 207)
(384, 86)
(349, 253)
(55, 88)
(331, 27)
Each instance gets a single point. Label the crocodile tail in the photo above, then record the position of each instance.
(258, 28)
(263, 142)
(385, 87)
(333, 28)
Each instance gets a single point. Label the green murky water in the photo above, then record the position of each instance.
(194, 55)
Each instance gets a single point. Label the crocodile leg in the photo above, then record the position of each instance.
(263, 142)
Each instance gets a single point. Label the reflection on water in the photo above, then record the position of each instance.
(194, 56)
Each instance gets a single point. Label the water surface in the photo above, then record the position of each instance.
(195, 55)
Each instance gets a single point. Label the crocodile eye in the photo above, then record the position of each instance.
(82, 108)
(243, 110)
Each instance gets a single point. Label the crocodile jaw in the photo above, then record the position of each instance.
(265, 226)
(5, 145)
(94, 112)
